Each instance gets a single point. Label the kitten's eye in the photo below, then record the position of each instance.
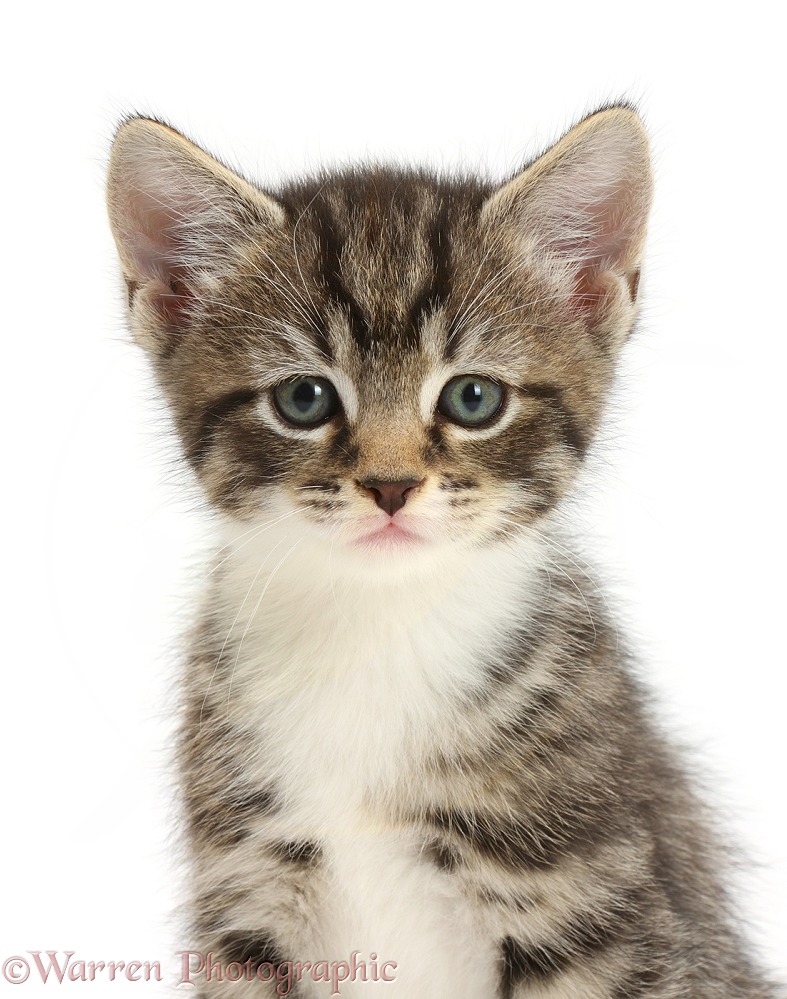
(470, 400)
(306, 401)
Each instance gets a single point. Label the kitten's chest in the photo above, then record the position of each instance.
(347, 711)
(349, 695)
(350, 778)
(352, 703)
(348, 748)
(385, 897)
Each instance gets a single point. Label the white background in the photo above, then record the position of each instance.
(101, 546)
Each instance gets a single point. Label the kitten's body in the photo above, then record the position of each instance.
(355, 750)
(411, 730)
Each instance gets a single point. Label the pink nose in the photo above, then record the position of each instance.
(390, 496)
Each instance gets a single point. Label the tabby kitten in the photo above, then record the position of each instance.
(411, 734)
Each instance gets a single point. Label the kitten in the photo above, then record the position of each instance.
(411, 733)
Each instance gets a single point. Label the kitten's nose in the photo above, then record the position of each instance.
(390, 496)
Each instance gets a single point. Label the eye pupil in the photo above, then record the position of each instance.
(472, 396)
(304, 395)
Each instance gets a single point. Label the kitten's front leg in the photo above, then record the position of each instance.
(577, 919)
(255, 886)
(255, 904)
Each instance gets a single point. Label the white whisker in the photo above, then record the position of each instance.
(261, 529)
(253, 615)
(232, 627)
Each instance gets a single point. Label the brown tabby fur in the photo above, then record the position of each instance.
(534, 789)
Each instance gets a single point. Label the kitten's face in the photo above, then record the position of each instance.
(392, 363)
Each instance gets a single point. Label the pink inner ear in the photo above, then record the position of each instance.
(158, 270)
(175, 301)
(591, 288)
(153, 254)
(598, 255)
(587, 291)
(169, 296)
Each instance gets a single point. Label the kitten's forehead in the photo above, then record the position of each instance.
(386, 251)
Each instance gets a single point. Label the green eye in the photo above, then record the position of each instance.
(306, 402)
(470, 400)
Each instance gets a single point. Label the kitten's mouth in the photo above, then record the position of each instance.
(390, 535)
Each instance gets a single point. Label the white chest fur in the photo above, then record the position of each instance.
(351, 685)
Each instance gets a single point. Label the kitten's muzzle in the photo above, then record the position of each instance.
(390, 496)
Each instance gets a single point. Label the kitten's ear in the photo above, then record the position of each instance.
(584, 205)
(178, 217)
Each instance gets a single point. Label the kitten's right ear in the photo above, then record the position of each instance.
(178, 217)
(583, 207)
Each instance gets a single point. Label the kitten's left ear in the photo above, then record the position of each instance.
(584, 206)
(179, 218)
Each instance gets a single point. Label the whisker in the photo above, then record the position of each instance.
(232, 627)
(253, 615)
(295, 247)
(261, 529)
(470, 288)
(483, 294)
(526, 528)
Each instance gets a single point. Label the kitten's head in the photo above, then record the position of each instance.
(396, 363)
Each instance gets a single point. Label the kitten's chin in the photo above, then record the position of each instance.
(393, 548)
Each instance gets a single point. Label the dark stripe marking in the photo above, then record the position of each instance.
(580, 941)
(436, 288)
(437, 446)
(552, 395)
(454, 484)
(327, 487)
(255, 947)
(314, 323)
(639, 983)
(221, 821)
(303, 853)
(213, 907)
(441, 855)
(509, 843)
(536, 844)
(331, 272)
(214, 414)
(342, 450)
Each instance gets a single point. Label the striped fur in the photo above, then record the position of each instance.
(416, 734)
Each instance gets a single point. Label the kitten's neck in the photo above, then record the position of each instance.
(290, 611)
